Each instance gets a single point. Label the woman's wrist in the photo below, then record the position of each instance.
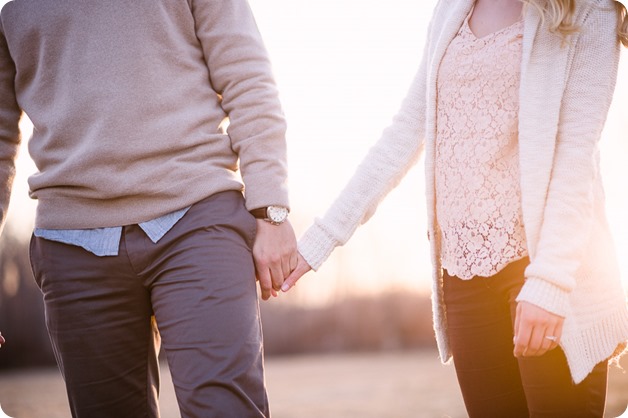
(545, 295)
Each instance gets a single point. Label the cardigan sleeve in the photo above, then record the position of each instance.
(569, 210)
(240, 71)
(380, 171)
(9, 126)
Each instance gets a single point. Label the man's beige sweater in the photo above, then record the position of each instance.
(565, 94)
(128, 102)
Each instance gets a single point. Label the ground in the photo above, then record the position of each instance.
(368, 385)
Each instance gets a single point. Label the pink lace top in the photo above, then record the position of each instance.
(478, 204)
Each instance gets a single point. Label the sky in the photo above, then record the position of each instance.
(343, 67)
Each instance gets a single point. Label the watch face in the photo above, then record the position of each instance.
(277, 214)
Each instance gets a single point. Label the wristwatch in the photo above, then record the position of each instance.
(276, 215)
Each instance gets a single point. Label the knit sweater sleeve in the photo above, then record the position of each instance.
(569, 210)
(240, 71)
(9, 130)
(382, 169)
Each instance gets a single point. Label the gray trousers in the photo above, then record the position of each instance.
(197, 285)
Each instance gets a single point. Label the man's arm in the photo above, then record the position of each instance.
(240, 71)
(10, 114)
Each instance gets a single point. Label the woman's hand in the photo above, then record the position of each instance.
(302, 268)
(536, 330)
(2, 340)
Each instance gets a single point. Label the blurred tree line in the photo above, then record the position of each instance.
(392, 321)
(21, 307)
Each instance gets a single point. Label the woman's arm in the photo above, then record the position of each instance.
(386, 163)
(380, 171)
(569, 210)
(568, 215)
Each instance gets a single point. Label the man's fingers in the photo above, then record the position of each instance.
(265, 283)
(294, 261)
(286, 265)
(277, 276)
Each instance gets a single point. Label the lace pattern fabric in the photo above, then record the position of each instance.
(478, 203)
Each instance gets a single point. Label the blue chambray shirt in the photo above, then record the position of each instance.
(106, 241)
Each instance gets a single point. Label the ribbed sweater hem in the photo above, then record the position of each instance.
(598, 343)
(545, 295)
(63, 212)
(316, 245)
(583, 350)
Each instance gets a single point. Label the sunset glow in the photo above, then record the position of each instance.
(343, 67)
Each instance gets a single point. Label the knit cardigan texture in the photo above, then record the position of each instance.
(129, 102)
(565, 92)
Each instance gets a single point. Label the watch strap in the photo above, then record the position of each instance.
(260, 213)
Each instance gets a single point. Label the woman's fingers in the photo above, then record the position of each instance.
(536, 330)
(301, 268)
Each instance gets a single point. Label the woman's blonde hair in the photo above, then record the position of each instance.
(560, 16)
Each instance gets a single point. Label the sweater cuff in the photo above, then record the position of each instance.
(316, 245)
(545, 295)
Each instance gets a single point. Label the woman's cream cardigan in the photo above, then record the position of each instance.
(565, 93)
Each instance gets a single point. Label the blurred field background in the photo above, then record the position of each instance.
(352, 357)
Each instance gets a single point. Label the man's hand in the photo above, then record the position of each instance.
(275, 254)
(536, 330)
(302, 268)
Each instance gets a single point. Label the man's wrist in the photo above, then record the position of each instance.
(273, 214)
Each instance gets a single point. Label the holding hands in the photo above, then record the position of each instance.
(279, 266)
(275, 254)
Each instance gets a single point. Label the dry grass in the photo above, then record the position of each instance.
(402, 385)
